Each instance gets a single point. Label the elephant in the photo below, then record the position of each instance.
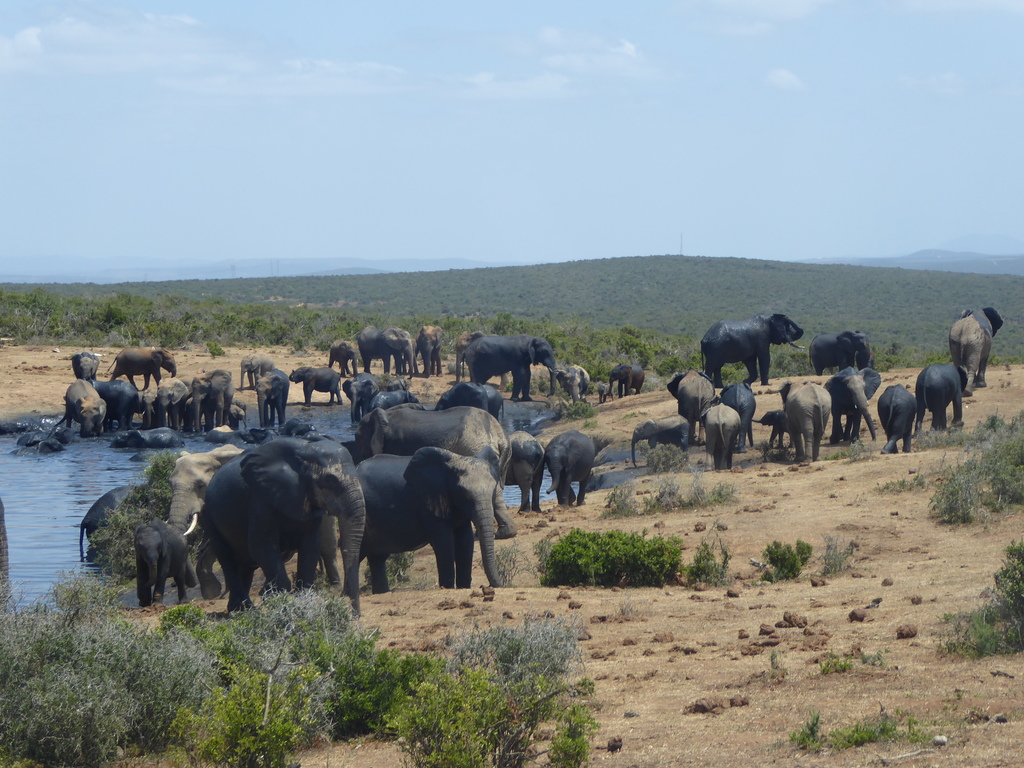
(236, 415)
(937, 386)
(84, 365)
(147, 408)
(142, 361)
(5, 565)
(96, 516)
(189, 480)
(694, 391)
(482, 396)
(83, 404)
(840, 350)
(603, 392)
(254, 366)
(319, 380)
(270, 503)
(172, 402)
(461, 345)
(272, 397)
(746, 341)
(212, 395)
(897, 409)
(387, 344)
(569, 457)
(575, 381)
(777, 421)
(433, 497)
(970, 340)
(122, 401)
(670, 430)
(389, 383)
(741, 398)
(493, 355)
(428, 347)
(360, 390)
(161, 552)
(526, 469)
(629, 376)
(161, 439)
(722, 427)
(344, 354)
(387, 400)
(850, 390)
(808, 407)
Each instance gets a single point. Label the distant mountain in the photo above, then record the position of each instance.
(995, 245)
(942, 261)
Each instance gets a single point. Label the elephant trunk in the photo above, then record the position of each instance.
(507, 527)
(862, 407)
(483, 521)
(349, 506)
(185, 507)
(551, 383)
(261, 405)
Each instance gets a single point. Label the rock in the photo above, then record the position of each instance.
(732, 593)
(794, 619)
(743, 634)
(700, 527)
(766, 629)
(857, 614)
(817, 581)
(664, 637)
(887, 582)
(939, 741)
(615, 744)
(916, 600)
(906, 631)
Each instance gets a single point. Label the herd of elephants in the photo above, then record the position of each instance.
(416, 476)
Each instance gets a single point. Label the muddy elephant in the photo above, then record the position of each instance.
(385, 345)
(849, 349)
(161, 553)
(746, 341)
(491, 356)
(212, 395)
(569, 457)
(344, 354)
(96, 516)
(360, 390)
(575, 380)
(526, 469)
(461, 345)
(777, 421)
(123, 402)
(694, 392)
(253, 366)
(897, 409)
(970, 341)
(171, 403)
(387, 400)
(740, 397)
(437, 498)
(937, 386)
(428, 347)
(629, 377)
(84, 365)
(722, 427)
(317, 380)
(808, 407)
(482, 396)
(83, 404)
(142, 361)
(850, 390)
(272, 397)
(670, 430)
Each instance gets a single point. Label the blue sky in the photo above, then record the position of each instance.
(516, 132)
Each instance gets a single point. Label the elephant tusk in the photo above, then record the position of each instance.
(192, 526)
(795, 345)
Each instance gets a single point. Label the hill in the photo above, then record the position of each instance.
(944, 261)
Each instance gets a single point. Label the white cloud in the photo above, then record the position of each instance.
(581, 54)
(764, 9)
(486, 85)
(945, 6)
(784, 80)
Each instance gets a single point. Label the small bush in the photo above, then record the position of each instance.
(710, 562)
(622, 501)
(833, 663)
(786, 560)
(836, 557)
(958, 499)
(542, 551)
(666, 458)
(903, 485)
(612, 558)
(579, 410)
(809, 736)
(511, 561)
(396, 567)
(666, 496)
(997, 627)
(214, 349)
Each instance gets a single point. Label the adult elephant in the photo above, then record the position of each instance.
(670, 430)
(569, 457)
(694, 392)
(937, 386)
(344, 354)
(491, 356)
(272, 397)
(575, 380)
(160, 439)
(317, 380)
(123, 402)
(434, 497)
(970, 341)
(428, 347)
(629, 377)
(83, 404)
(746, 341)
(850, 390)
(84, 365)
(161, 553)
(253, 367)
(526, 469)
(461, 345)
(741, 398)
(721, 429)
(142, 361)
(387, 344)
(5, 566)
(360, 390)
(272, 502)
(808, 407)
(840, 350)
(387, 400)
(897, 409)
(212, 395)
(466, 393)
(96, 516)
(171, 403)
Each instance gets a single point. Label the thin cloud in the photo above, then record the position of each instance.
(947, 6)
(486, 85)
(784, 80)
(762, 9)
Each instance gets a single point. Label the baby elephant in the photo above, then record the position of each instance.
(671, 430)
(570, 459)
(161, 551)
(777, 421)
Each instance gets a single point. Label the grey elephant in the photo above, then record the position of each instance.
(83, 404)
(970, 341)
(147, 408)
(466, 393)
(142, 361)
(5, 573)
(575, 380)
(360, 390)
(808, 407)
(123, 402)
(317, 380)
(428, 347)
(526, 469)
(721, 429)
(740, 397)
(840, 350)
(777, 421)
(491, 356)
(437, 498)
(850, 390)
(160, 439)
(629, 377)
(694, 392)
(746, 341)
(670, 430)
(387, 400)
(344, 354)
(897, 409)
(385, 345)
(937, 386)
(171, 402)
(569, 457)
(161, 553)
(272, 397)
(603, 393)
(212, 395)
(272, 502)
(97, 514)
(461, 345)
(85, 365)
(252, 368)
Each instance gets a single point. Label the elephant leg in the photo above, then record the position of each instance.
(764, 358)
(143, 590)
(463, 539)
(443, 544)
(329, 551)
(582, 495)
(524, 498)
(378, 573)
(209, 585)
(308, 558)
(538, 478)
(751, 364)
(958, 411)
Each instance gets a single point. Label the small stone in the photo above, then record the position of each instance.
(664, 637)
(630, 713)
(887, 582)
(700, 527)
(743, 634)
(999, 719)
(916, 600)
(628, 641)
(817, 581)
(766, 629)
(615, 744)
(794, 619)
(721, 526)
(940, 741)
(732, 593)
(575, 605)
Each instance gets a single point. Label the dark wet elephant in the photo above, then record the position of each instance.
(317, 380)
(360, 390)
(777, 421)
(491, 356)
(482, 396)
(746, 341)
(272, 397)
(97, 514)
(850, 390)
(629, 377)
(849, 349)
(569, 458)
(123, 401)
(937, 386)
(970, 341)
(897, 409)
(526, 469)
(740, 398)
(387, 400)
(161, 553)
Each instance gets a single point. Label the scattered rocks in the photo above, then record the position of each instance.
(817, 581)
(716, 706)
(940, 741)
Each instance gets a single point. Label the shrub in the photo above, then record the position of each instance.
(622, 501)
(833, 663)
(510, 561)
(666, 458)
(786, 560)
(710, 562)
(958, 499)
(809, 736)
(579, 410)
(836, 557)
(612, 558)
(214, 349)
(997, 627)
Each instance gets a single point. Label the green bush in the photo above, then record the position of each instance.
(997, 627)
(579, 410)
(666, 458)
(612, 558)
(710, 562)
(958, 499)
(836, 557)
(786, 560)
(214, 349)
(622, 501)
(809, 737)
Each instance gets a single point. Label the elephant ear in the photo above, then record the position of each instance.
(673, 385)
(378, 422)
(283, 480)
(346, 387)
(846, 340)
(872, 381)
(963, 377)
(993, 317)
(435, 474)
(785, 389)
(777, 329)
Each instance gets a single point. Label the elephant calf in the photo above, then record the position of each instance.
(671, 430)
(161, 552)
(722, 425)
(569, 458)
(526, 469)
(896, 411)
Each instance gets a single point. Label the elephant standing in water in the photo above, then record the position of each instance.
(746, 341)
(482, 396)
(970, 341)
(850, 390)
(171, 403)
(491, 356)
(937, 386)
(840, 350)
(526, 469)
(897, 409)
(317, 380)
(428, 346)
(212, 395)
(360, 391)
(161, 553)
(272, 397)
(569, 458)
(83, 404)
(694, 391)
(808, 407)
(142, 361)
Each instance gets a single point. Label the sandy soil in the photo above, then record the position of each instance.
(656, 652)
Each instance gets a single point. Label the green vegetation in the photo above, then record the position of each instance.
(710, 562)
(885, 727)
(612, 559)
(665, 458)
(786, 560)
(834, 663)
(666, 497)
(836, 557)
(998, 626)
(579, 411)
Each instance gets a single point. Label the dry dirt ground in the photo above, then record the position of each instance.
(654, 653)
